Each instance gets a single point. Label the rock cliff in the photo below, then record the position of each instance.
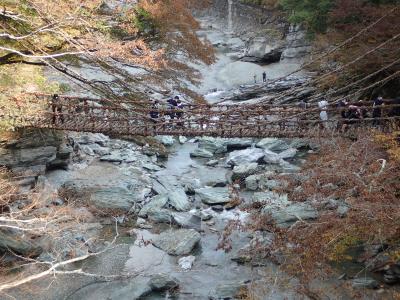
(30, 152)
(267, 35)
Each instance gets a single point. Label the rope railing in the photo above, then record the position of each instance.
(198, 120)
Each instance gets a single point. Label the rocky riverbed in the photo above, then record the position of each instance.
(171, 200)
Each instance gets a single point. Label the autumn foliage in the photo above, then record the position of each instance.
(365, 177)
(158, 37)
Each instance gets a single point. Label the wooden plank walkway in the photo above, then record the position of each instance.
(286, 121)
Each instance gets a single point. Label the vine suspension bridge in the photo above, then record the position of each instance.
(253, 120)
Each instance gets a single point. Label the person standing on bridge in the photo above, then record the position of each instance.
(172, 105)
(179, 114)
(264, 76)
(154, 110)
(323, 115)
(377, 112)
(255, 78)
(56, 107)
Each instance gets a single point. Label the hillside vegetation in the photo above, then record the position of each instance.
(370, 56)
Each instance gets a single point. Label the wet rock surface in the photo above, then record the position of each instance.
(212, 196)
(177, 242)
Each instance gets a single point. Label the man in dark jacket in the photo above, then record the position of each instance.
(56, 107)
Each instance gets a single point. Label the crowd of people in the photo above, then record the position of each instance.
(351, 112)
(174, 106)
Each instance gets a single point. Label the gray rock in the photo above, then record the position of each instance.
(182, 139)
(142, 223)
(365, 282)
(241, 157)
(113, 198)
(13, 158)
(166, 140)
(199, 152)
(212, 163)
(177, 242)
(217, 208)
(19, 244)
(157, 202)
(187, 220)
(163, 282)
(215, 195)
(271, 198)
(288, 167)
(151, 167)
(89, 138)
(229, 290)
(179, 200)
(272, 157)
(204, 214)
(238, 143)
(272, 144)
(87, 150)
(190, 184)
(161, 215)
(213, 145)
(288, 153)
(285, 216)
(136, 288)
(342, 210)
(243, 171)
(114, 156)
(252, 182)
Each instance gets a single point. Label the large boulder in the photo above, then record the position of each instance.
(32, 151)
(229, 290)
(272, 144)
(213, 145)
(137, 288)
(284, 216)
(178, 199)
(261, 50)
(163, 282)
(200, 152)
(272, 157)
(177, 242)
(288, 153)
(241, 157)
(113, 198)
(238, 144)
(121, 193)
(187, 220)
(243, 171)
(157, 202)
(18, 244)
(365, 282)
(160, 215)
(271, 198)
(213, 195)
(166, 140)
(88, 138)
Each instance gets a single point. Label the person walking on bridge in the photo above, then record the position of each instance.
(56, 107)
(264, 76)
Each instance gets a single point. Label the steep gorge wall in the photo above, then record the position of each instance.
(269, 36)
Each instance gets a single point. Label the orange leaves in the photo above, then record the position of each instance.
(136, 52)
